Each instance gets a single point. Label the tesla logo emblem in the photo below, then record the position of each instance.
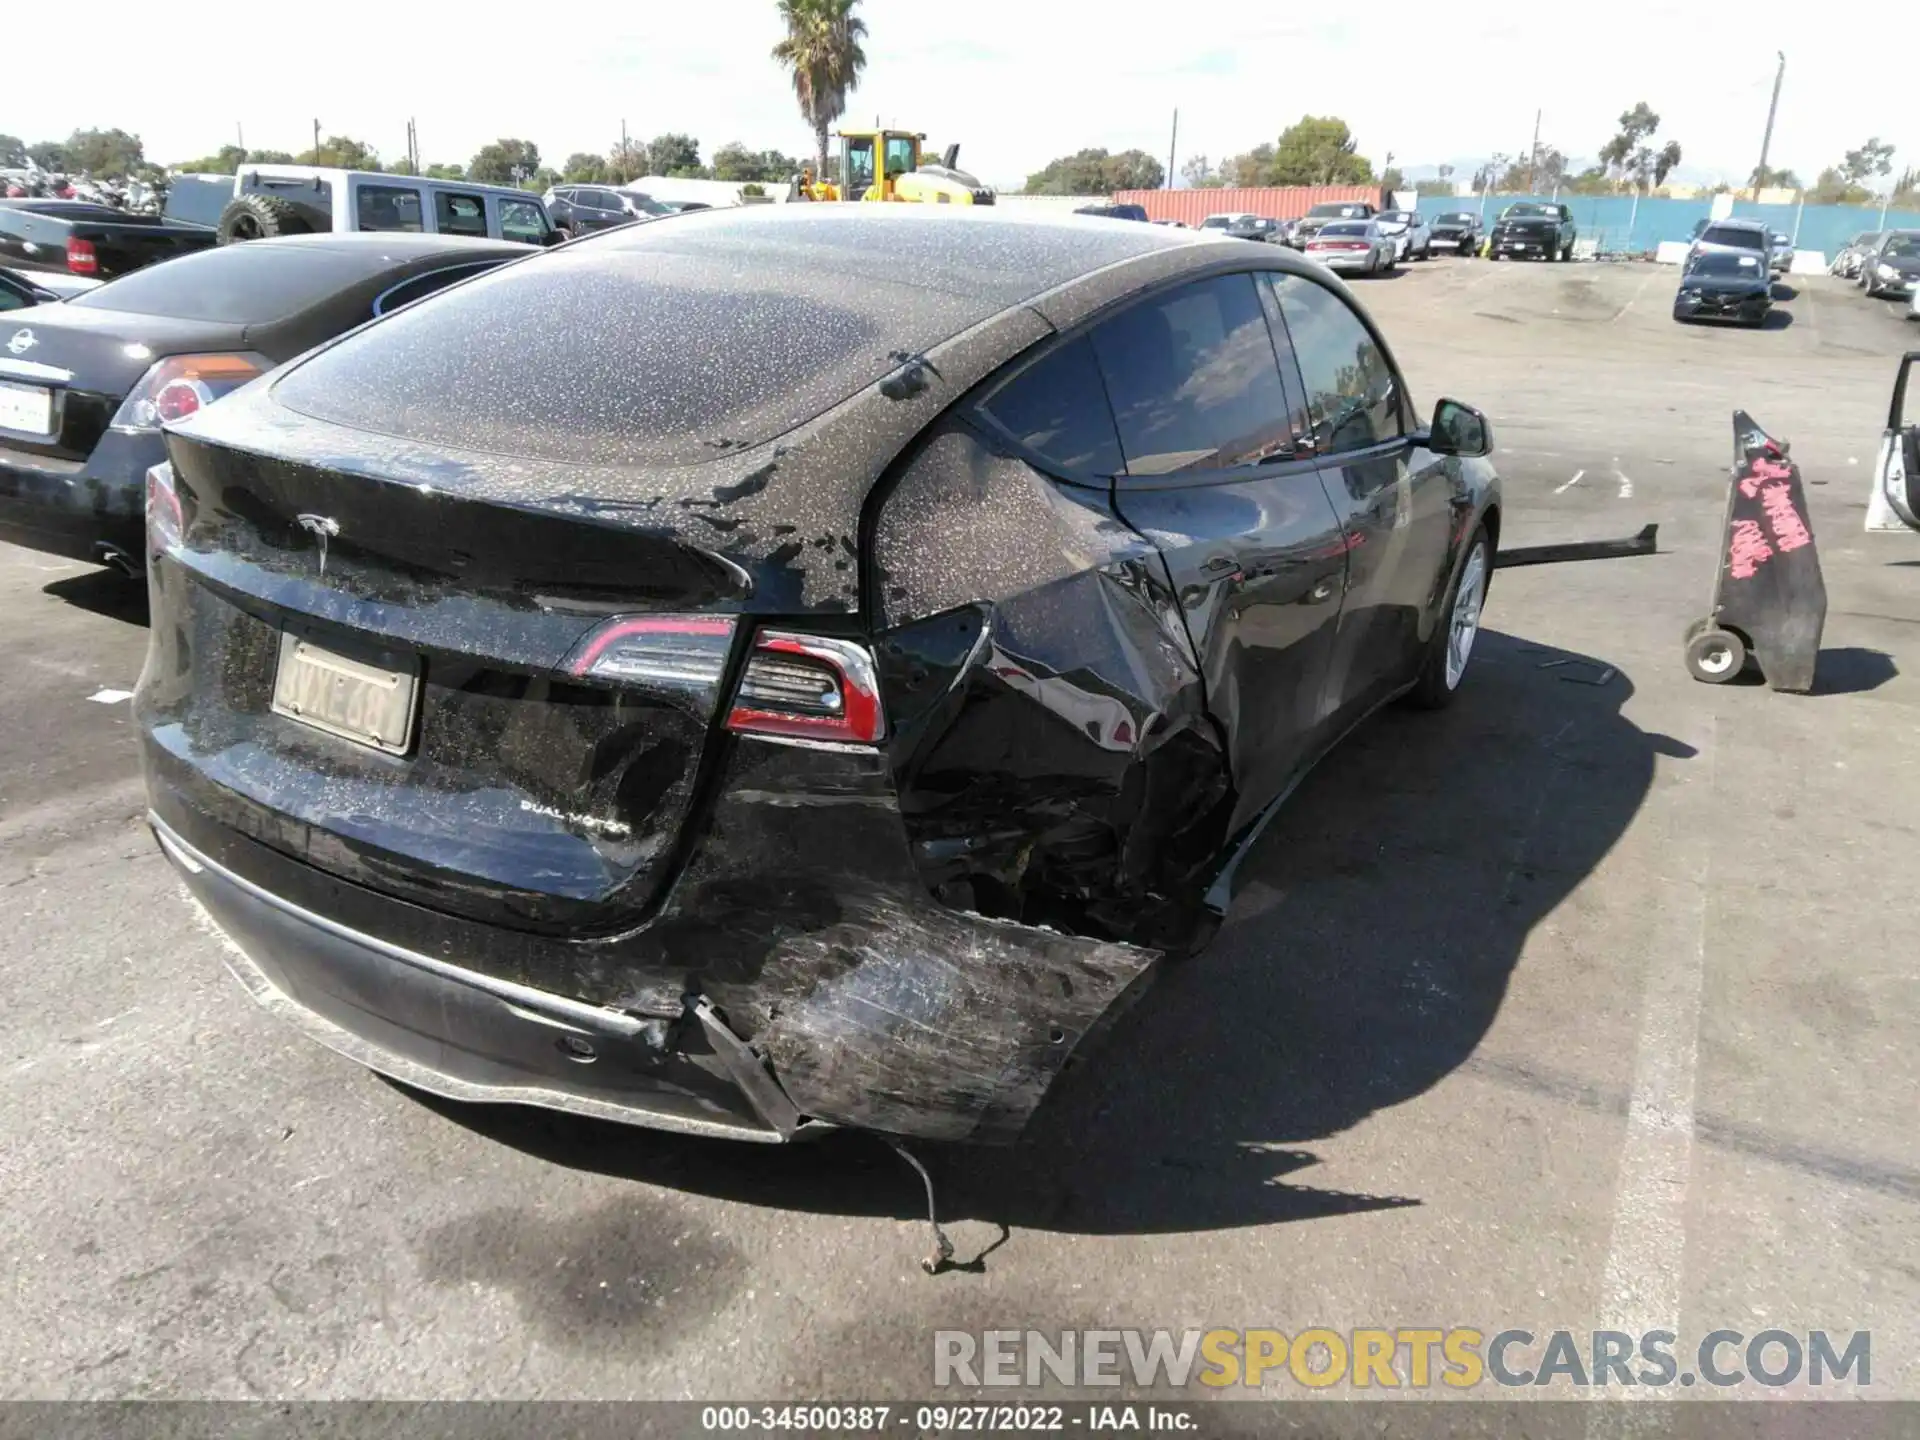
(323, 528)
(21, 342)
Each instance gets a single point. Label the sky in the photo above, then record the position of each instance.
(1016, 82)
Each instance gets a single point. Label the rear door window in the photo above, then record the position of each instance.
(1353, 396)
(1057, 407)
(523, 220)
(1193, 380)
(457, 214)
(387, 207)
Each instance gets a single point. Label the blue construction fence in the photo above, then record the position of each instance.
(1613, 222)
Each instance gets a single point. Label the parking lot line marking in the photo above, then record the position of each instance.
(1626, 486)
(1633, 297)
(1646, 1250)
(110, 697)
(1571, 483)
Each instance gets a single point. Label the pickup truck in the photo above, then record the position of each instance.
(75, 238)
(1532, 228)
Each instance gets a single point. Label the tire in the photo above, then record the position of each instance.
(258, 217)
(1440, 678)
(1714, 656)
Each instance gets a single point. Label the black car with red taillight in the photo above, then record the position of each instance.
(796, 667)
(86, 385)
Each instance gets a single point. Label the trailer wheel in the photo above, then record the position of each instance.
(1714, 656)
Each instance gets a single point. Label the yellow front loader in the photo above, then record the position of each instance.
(887, 165)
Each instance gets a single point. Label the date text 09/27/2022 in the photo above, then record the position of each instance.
(945, 1418)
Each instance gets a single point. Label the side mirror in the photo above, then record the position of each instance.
(1459, 430)
(554, 237)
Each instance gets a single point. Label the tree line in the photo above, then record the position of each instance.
(506, 161)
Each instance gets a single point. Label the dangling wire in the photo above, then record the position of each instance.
(942, 1254)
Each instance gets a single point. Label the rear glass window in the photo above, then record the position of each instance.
(1347, 211)
(1733, 235)
(609, 354)
(1345, 227)
(1216, 222)
(1903, 247)
(252, 284)
(1193, 380)
(1457, 217)
(1057, 407)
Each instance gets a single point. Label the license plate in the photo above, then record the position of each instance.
(26, 407)
(359, 702)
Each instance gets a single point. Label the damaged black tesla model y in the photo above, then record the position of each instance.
(770, 670)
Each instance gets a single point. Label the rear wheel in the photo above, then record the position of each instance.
(1451, 646)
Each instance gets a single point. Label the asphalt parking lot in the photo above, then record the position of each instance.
(1579, 1005)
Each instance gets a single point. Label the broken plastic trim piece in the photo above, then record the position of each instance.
(1644, 543)
(749, 1072)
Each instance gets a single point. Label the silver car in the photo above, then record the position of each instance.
(1410, 230)
(1354, 247)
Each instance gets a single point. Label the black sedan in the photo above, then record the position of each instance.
(821, 708)
(1458, 230)
(1724, 285)
(86, 385)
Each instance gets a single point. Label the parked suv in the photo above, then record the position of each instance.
(271, 200)
(582, 209)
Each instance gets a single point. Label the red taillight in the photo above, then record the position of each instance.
(1344, 245)
(165, 521)
(794, 687)
(81, 259)
(180, 398)
(808, 687)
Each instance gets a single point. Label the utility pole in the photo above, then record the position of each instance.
(316, 142)
(1533, 154)
(1172, 146)
(1766, 140)
(624, 177)
(240, 136)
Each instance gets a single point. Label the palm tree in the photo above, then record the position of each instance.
(822, 49)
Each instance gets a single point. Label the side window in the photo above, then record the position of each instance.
(387, 207)
(11, 300)
(420, 286)
(1193, 379)
(1353, 396)
(459, 214)
(1058, 408)
(522, 220)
